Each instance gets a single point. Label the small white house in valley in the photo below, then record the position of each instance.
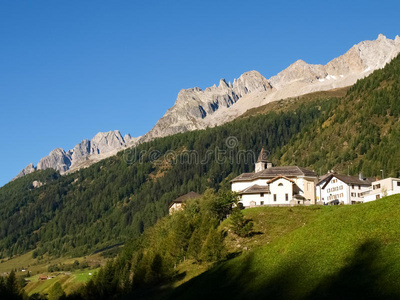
(342, 189)
(382, 188)
(275, 186)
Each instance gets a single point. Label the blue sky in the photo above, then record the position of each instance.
(69, 69)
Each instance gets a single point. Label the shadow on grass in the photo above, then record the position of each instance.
(360, 278)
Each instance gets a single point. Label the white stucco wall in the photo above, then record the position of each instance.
(388, 187)
(247, 200)
(337, 189)
(280, 188)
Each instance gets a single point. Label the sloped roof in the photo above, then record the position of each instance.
(323, 177)
(256, 189)
(263, 156)
(287, 171)
(279, 177)
(183, 198)
(348, 180)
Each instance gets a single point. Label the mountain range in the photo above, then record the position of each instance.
(198, 109)
(87, 152)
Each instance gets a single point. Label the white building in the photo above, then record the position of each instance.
(382, 188)
(342, 189)
(270, 185)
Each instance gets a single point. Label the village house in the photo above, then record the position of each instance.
(275, 186)
(179, 203)
(342, 189)
(382, 188)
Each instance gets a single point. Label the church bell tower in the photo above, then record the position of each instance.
(262, 162)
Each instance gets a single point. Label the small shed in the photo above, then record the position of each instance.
(179, 203)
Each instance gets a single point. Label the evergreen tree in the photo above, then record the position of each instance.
(239, 224)
(213, 249)
(56, 292)
(12, 289)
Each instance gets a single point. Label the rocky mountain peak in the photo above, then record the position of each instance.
(27, 170)
(197, 109)
(381, 37)
(58, 159)
(222, 83)
(102, 145)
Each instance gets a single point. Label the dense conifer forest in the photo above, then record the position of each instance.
(122, 197)
(118, 198)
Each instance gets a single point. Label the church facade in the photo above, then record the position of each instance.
(275, 186)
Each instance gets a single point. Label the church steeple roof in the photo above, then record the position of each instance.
(263, 157)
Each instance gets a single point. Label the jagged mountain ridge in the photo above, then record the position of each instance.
(102, 145)
(197, 109)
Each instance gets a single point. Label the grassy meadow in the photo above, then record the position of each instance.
(344, 252)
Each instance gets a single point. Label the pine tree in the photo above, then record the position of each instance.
(195, 244)
(56, 292)
(239, 224)
(213, 249)
(12, 286)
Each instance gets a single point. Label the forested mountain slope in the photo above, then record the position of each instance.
(120, 197)
(361, 134)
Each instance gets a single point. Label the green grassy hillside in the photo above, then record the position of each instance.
(347, 253)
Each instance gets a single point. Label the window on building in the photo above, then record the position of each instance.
(398, 183)
(262, 203)
(352, 186)
(377, 186)
(281, 184)
(275, 197)
(287, 197)
(261, 194)
(359, 187)
(378, 196)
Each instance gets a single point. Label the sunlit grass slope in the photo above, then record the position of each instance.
(347, 253)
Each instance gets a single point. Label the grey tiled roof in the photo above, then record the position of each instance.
(350, 179)
(190, 195)
(255, 189)
(288, 171)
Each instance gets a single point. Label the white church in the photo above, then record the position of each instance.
(275, 186)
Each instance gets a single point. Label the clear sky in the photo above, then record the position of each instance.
(72, 68)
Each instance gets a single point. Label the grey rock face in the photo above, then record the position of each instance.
(58, 160)
(101, 146)
(80, 151)
(198, 109)
(106, 141)
(193, 105)
(37, 184)
(28, 169)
